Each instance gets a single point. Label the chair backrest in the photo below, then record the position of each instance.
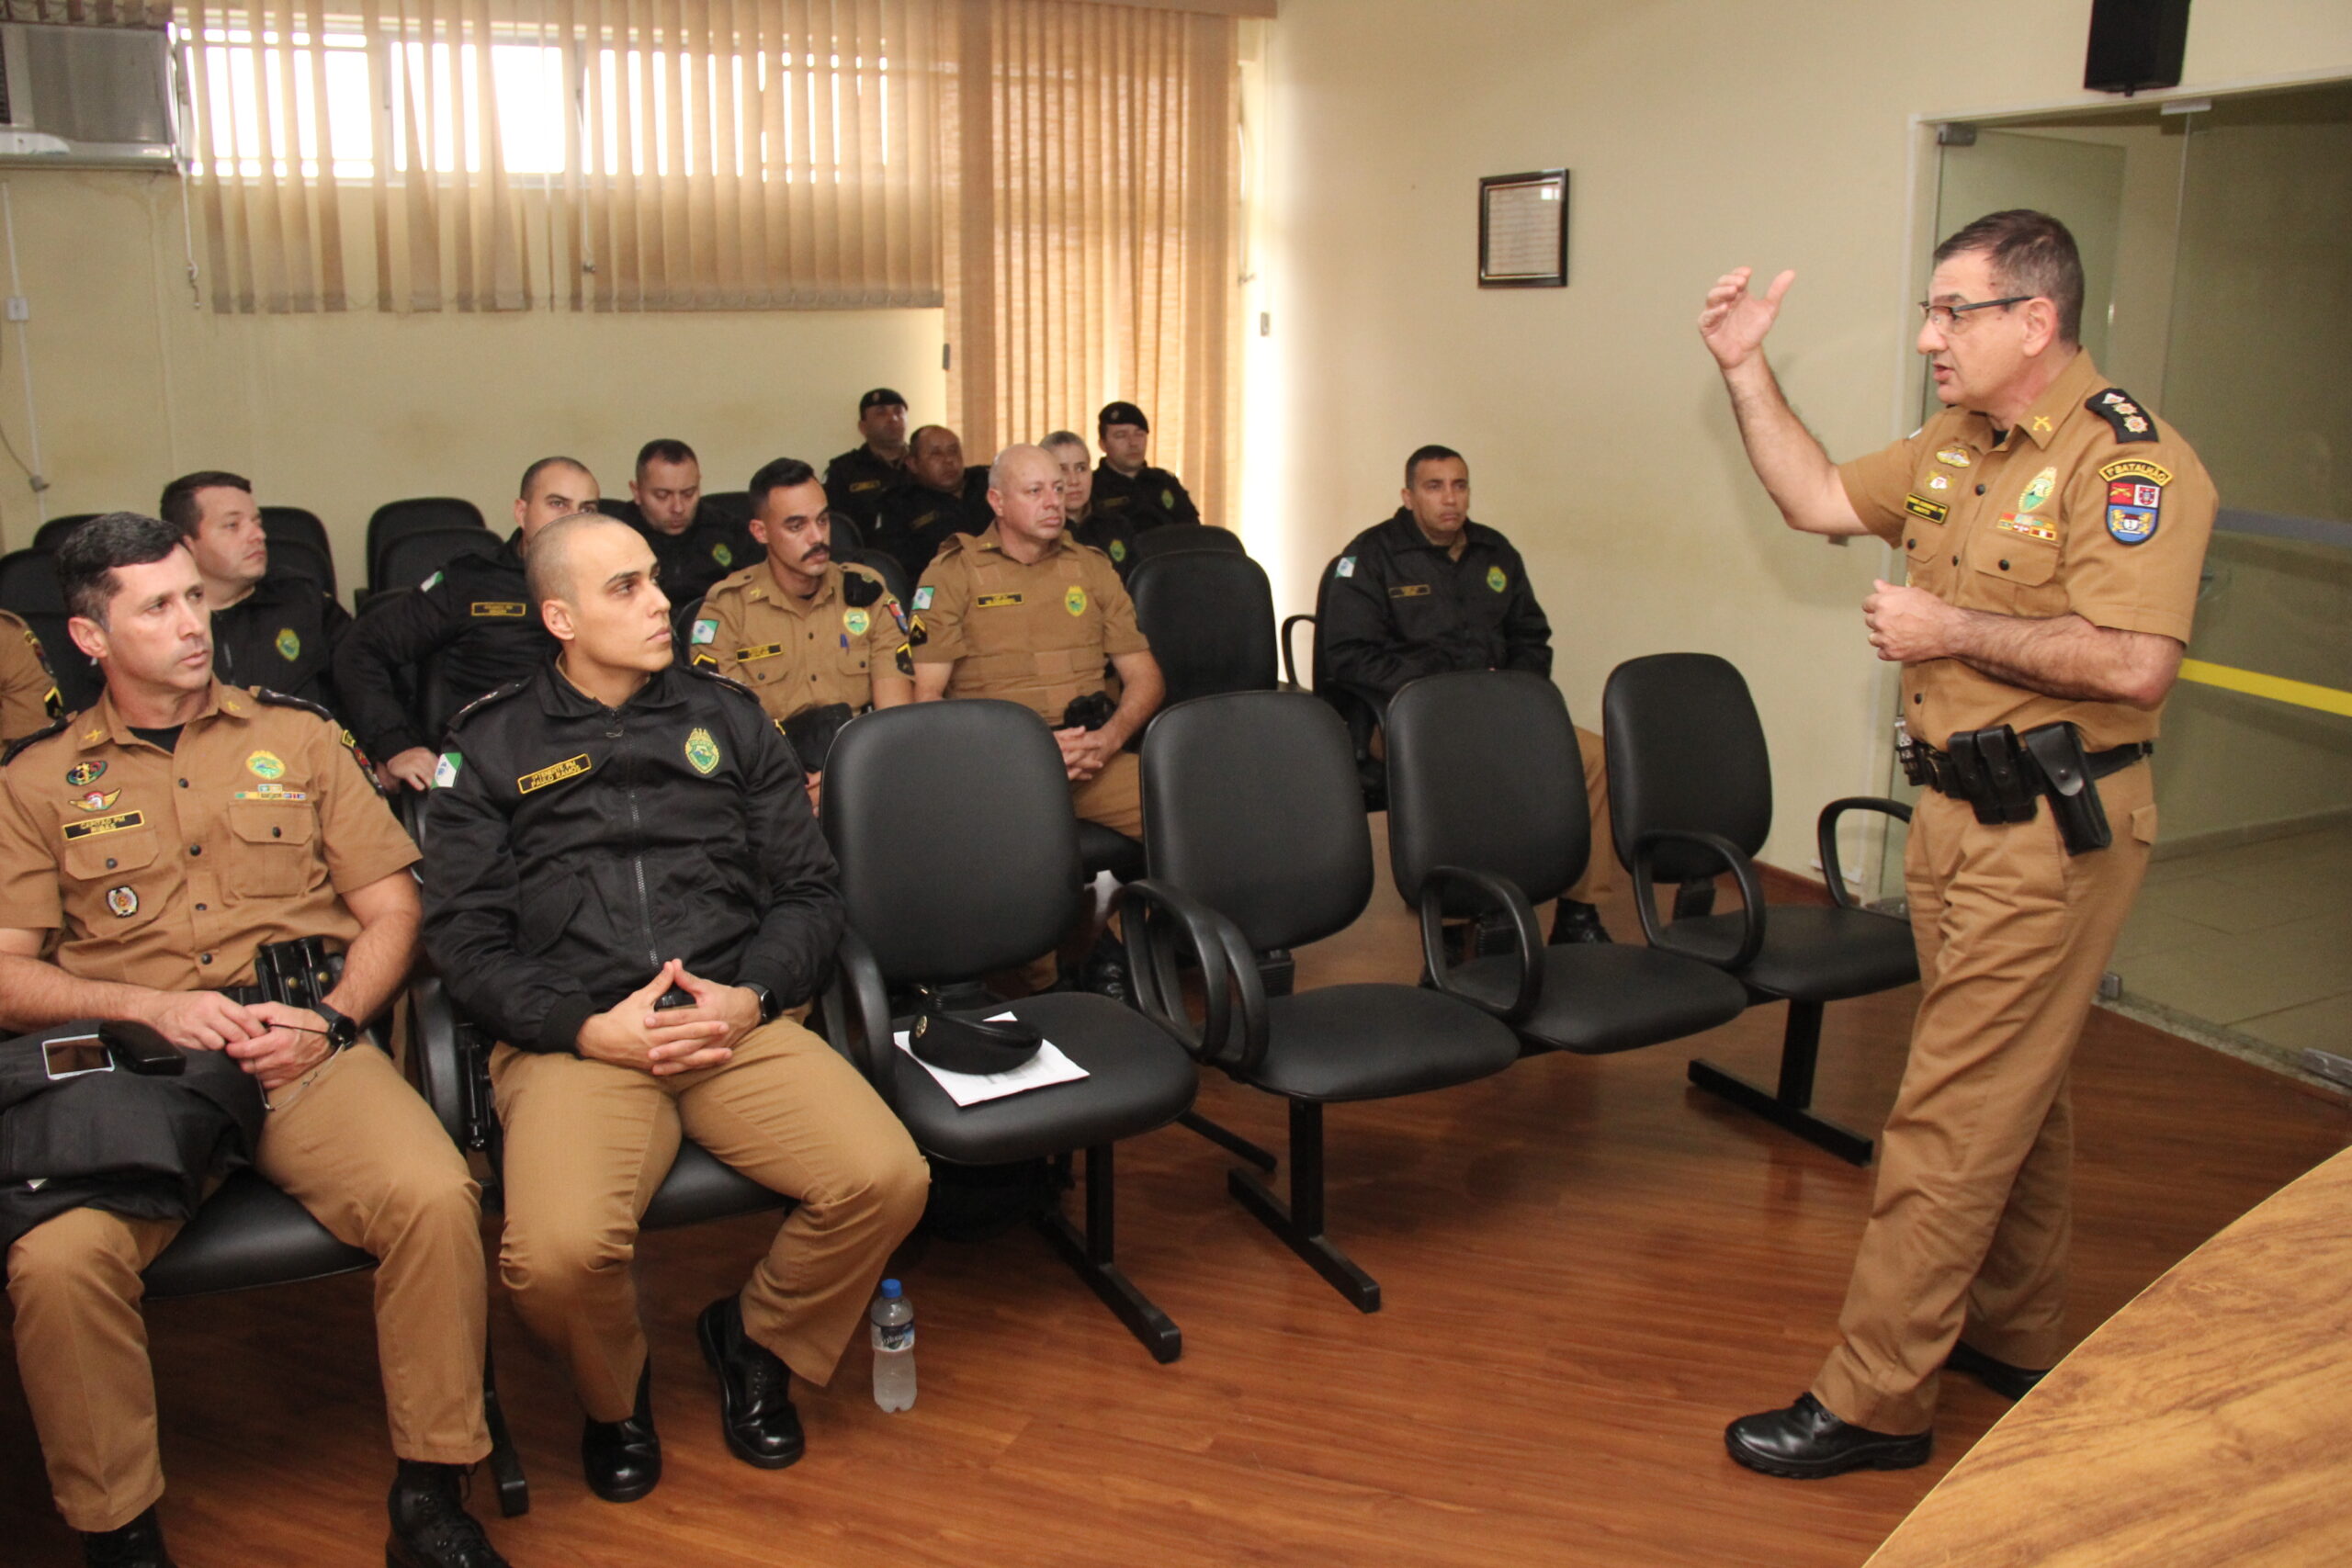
(1251, 804)
(957, 846)
(396, 518)
(1210, 618)
(847, 538)
(884, 564)
(296, 522)
(304, 560)
(30, 588)
(1177, 540)
(1483, 771)
(410, 559)
(29, 583)
(52, 534)
(734, 506)
(1686, 751)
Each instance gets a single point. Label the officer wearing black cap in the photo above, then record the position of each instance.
(1127, 488)
(858, 480)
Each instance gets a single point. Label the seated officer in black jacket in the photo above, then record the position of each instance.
(476, 612)
(1429, 591)
(1126, 487)
(694, 544)
(627, 887)
(858, 480)
(942, 497)
(277, 629)
(1106, 531)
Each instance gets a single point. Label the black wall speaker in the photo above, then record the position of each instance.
(2135, 44)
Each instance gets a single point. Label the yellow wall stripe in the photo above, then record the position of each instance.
(2277, 688)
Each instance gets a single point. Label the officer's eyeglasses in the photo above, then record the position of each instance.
(1944, 318)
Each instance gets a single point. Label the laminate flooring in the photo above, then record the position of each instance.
(1588, 1267)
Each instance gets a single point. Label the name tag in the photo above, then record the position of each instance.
(859, 487)
(1409, 590)
(93, 827)
(995, 601)
(569, 768)
(1933, 511)
(500, 609)
(766, 650)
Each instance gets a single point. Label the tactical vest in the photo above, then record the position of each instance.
(1034, 634)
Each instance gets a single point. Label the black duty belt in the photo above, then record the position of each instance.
(2004, 775)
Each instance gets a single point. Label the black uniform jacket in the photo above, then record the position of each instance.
(713, 545)
(283, 636)
(857, 483)
(1110, 535)
(1153, 499)
(476, 609)
(577, 848)
(1399, 607)
(916, 520)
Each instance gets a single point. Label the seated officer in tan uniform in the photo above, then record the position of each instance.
(28, 699)
(807, 634)
(2053, 531)
(627, 888)
(158, 839)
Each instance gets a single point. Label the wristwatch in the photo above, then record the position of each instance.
(768, 1009)
(341, 1030)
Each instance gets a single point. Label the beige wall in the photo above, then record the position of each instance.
(339, 413)
(1700, 137)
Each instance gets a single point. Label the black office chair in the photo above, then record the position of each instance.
(1358, 707)
(734, 506)
(1258, 842)
(30, 588)
(424, 514)
(293, 524)
(951, 874)
(1153, 543)
(1689, 799)
(882, 563)
(1210, 618)
(303, 558)
(1487, 813)
(52, 534)
(412, 558)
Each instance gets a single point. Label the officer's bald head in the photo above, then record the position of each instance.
(1025, 489)
(550, 568)
(593, 579)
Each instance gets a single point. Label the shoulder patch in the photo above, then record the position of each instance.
(18, 744)
(498, 696)
(860, 586)
(2129, 420)
(281, 700)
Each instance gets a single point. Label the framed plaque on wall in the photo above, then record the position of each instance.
(1523, 230)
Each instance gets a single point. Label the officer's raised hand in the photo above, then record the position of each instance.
(634, 1034)
(1734, 321)
(201, 1021)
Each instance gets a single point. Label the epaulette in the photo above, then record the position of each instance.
(285, 699)
(54, 726)
(861, 585)
(2130, 422)
(497, 695)
(725, 683)
(732, 581)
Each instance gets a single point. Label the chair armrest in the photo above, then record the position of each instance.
(1526, 940)
(1743, 870)
(857, 1015)
(1826, 837)
(1290, 664)
(437, 1058)
(1149, 911)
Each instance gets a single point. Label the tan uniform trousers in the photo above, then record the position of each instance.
(588, 1144)
(1112, 797)
(367, 1158)
(1969, 1232)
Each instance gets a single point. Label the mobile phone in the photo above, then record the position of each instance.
(75, 1055)
(139, 1049)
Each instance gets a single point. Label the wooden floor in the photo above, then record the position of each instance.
(1587, 1267)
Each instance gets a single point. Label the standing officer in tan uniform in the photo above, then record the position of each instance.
(159, 839)
(28, 699)
(2053, 529)
(807, 634)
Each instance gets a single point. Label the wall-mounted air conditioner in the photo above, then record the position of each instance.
(86, 93)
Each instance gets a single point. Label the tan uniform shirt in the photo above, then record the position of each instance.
(797, 654)
(1037, 634)
(2092, 505)
(28, 697)
(168, 869)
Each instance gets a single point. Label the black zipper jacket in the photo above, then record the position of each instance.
(574, 849)
(283, 636)
(1397, 607)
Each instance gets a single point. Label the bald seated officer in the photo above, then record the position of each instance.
(628, 889)
(942, 497)
(475, 613)
(150, 847)
(28, 696)
(815, 641)
(1429, 591)
(695, 543)
(270, 629)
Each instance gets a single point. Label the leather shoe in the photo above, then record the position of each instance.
(1805, 1442)
(138, 1544)
(1576, 922)
(623, 1458)
(2008, 1382)
(430, 1525)
(755, 1409)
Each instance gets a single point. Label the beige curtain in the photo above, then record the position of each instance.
(89, 13)
(1093, 243)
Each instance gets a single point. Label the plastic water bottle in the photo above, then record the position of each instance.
(894, 1347)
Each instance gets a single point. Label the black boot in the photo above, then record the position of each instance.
(623, 1458)
(2008, 1382)
(430, 1525)
(1104, 973)
(1576, 922)
(138, 1544)
(755, 1409)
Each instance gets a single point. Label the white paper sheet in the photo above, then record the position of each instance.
(1047, 1066)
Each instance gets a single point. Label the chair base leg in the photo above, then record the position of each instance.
(1090, 1254)
(1320, 1253)
(1843, 1142)
(1230, 1141)
(505, 1464)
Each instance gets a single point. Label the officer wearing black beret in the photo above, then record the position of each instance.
(1128, 490)
(859, 480)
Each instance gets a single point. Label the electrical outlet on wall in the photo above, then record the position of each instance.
(19, 308)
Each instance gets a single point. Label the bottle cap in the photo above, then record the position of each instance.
(890, 1291)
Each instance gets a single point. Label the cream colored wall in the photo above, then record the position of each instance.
(1702, 136)
(341, 412)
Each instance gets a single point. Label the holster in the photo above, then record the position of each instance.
(296, 973)
(2057, 752)
(1092, 711)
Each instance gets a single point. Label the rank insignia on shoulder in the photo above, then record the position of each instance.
(2126, 418)
(1933, 511)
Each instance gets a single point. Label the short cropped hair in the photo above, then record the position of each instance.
(179, 508)
(531, 474)
(665, 451)
(780, 473)
(2031, 254)
(87, 560)
(1430, 454)
(546, 568)
(1065, 438)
